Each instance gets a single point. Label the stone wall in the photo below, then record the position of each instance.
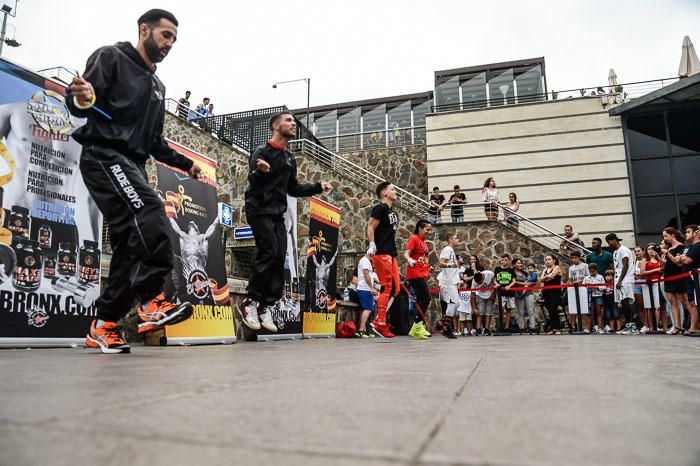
(404, 166)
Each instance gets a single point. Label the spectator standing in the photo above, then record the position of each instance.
(525, 300)
(211, 110)
(577, 273)
(664, 246)
(689, 260)
(640, 315)
(365, 295)
(597, 300)
(184, 105)
(456, 203)
(465, 307)
(202, 110)
(611, 311)
(483, 299)
(513, 205)
(623, 261)
(551, 276)
(437, 202)
(489, 195)
(449, 280)
(599, 256)
(566, 247)
(505, 278)
(417, 273)
(650, 272)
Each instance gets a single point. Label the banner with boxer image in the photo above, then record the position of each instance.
(50, 228)
(321, 253)
(287, 313)
(199, 272)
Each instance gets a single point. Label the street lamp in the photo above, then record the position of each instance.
(11, 10)
(308, 94)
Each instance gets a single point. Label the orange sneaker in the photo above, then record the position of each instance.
(106, 338)
(162, 312)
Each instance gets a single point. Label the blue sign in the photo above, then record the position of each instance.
(242, 233)
(225, 214)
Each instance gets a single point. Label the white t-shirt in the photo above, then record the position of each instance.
(449, 275)
(622, 252)
(598, 279)
(465, 302)
(364, 264)
(490, 195)
(486, 283)
(578, 272)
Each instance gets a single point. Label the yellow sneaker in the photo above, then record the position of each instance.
(417, 331)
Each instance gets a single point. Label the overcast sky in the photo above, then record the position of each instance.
(233, 51)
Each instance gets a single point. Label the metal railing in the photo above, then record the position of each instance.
(354, 172)
(474, 212)
(182, 111)
(419, 206)
(608, 94)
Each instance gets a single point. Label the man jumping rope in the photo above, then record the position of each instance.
(272, 175)
(121, 78)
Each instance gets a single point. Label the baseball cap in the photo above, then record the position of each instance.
(612, 236)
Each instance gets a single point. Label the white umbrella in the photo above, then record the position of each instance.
(689, 59)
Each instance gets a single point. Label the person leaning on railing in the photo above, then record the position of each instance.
(489, 195)
(183, 105)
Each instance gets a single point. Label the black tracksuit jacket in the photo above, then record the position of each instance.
(267, 192)
(134, 97)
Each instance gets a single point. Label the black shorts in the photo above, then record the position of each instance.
(491, 208)
(677, 286)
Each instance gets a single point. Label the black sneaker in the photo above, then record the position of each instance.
(533, 331)
(486, 332)
(448, 334)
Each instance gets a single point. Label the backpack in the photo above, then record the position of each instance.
(345, 329)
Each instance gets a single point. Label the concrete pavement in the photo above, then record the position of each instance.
(531, 400)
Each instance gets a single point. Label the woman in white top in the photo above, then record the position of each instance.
(513, 205)
(489, 195)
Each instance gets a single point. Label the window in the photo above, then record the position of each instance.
(684, 129)
(447, 93)
(419, 112)
(474, 92)
(652, 176)
(349, 124)
(325, 129)
(655, 213)
(530, 85)
(646, 136)
(374, 127)
(687, 171)
(501, 89)
(689, 205)
(399, 122)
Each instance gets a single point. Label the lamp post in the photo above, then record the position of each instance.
(6, 10)
(308, 94)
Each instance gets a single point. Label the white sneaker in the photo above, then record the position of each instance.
(595, 328)
(585, 330)
(607, 329)
(600, 331)
(456, 333)
(466, 333)
(644, 330)
(266, 320)
(473, 332)
(249, 314)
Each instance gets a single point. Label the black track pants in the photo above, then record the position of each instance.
(141, 250)
(267, 283)
(420, 287)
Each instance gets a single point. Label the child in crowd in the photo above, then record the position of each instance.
(465, 307)
(577, 272)
(612, 312)
(448, 279)
(597, 300)
(366, 291)
(505, 277)
(483, 299)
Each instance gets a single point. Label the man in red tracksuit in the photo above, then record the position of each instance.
(381, 233)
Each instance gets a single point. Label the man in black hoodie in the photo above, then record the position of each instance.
(272, 175)
(121, 80)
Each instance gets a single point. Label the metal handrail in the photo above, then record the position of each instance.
(358, 174)
(174, 107)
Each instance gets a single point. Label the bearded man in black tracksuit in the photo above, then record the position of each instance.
(272, 175)
(121, 80)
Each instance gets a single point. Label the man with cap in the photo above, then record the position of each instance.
(623, 262)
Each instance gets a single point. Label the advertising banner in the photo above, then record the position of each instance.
(50, 228)
(199, 272)
(287, 313)
(322, 250)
